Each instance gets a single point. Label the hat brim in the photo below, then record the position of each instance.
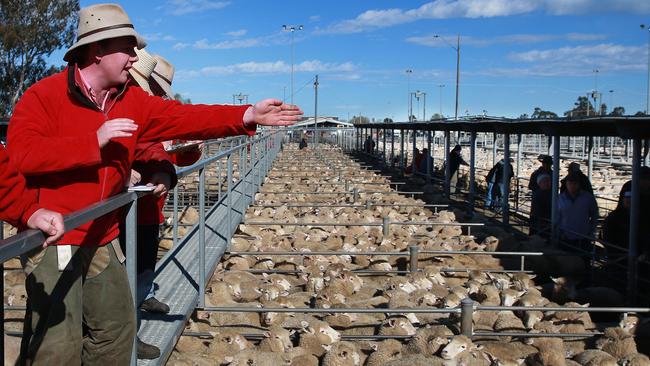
(141, 81)
(163, 85)
(107, 34)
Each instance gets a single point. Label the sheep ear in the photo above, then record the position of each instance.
(391, 322)
(292, 332)
(521, 361)
(557, 280)
(532, 276)
(304, 324)
(229, 359)
(265, 275)
(374, 346)
(267, 334)
(327, 347)
(585, 305)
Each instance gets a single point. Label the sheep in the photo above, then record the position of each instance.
(251, 357)
(595, 358)
(635, 359)
(428, 341)
(342, 354)
(316, 335)
(547, 354)
(276, 339)
(617, 342)
(397, 325)
(226, 343)
(385, 351)
(508, 352)
(461, 350)
(507, 321)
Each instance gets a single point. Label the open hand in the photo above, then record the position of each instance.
(49, 222)
(114, 128)
(272, 112)
(161, 182)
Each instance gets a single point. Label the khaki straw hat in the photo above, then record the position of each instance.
(142, 69)
(163, 75)
(100, 22)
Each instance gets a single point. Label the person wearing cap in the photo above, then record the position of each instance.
(73, 135)
(496, 188)
(546, 168)
(585, 184)
(18, 204)
(455, 161)
(540, 207)
(577, 215)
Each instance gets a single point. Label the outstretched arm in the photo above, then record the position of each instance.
(272, 112)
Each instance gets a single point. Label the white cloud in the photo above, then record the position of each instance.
(314, 18)
(237, 33)
(272, 67)
(278, 38)
(182, 7)
(158, 37)
(430, 41)
(446, 9)
(576, 61)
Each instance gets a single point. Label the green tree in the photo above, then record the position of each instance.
(524, 116)
(538, 113)
(582, 108)
(180, 98)
(437, 116)
(618, 111)
(360, 120)
(31, 30)
(388, 120)
(639, 114)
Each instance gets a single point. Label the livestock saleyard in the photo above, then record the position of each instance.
(324, 256)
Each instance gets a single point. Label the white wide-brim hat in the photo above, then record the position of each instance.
(163, 75)
(141, 70)
(100, 22)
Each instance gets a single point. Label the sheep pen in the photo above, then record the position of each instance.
(332, 266)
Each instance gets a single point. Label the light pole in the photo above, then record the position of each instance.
(440, 89)
(242, 98)
(457, 49)
(408, 86)
(292, 29)
(611, 101)
(647, 103)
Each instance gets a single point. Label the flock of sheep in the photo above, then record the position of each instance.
(378, 290)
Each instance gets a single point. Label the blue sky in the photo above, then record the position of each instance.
(515, 54)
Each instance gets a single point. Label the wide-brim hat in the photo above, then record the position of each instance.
(163, 75)
(103, 21)
(546, 159)
(141, 70)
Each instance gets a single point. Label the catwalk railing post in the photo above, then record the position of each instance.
(632, 265)
(385, 222)
(414, 154)
(428, 157)
(202, 238)
(392, 148)
(472, 171)
(517, 194)
(383, 155)
(494, 148)
(590, 157)
(466, 315)
(447, 167)
(229, 193)
(131, 238)
(402, 161)
(555, 187)
(507, 167)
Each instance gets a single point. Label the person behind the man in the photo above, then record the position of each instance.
(545, 168)
(18, 205)
(73, 135)
(455, 161)
(585, 184)
(155, 167)
(540, 206)
(577, 215)
(496, 187)
(303, 143)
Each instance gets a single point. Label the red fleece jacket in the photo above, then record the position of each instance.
(17, 204)
(52, 139)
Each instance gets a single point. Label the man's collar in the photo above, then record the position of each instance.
(81, 90)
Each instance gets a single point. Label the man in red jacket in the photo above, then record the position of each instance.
(73, 136)
(18, 204)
